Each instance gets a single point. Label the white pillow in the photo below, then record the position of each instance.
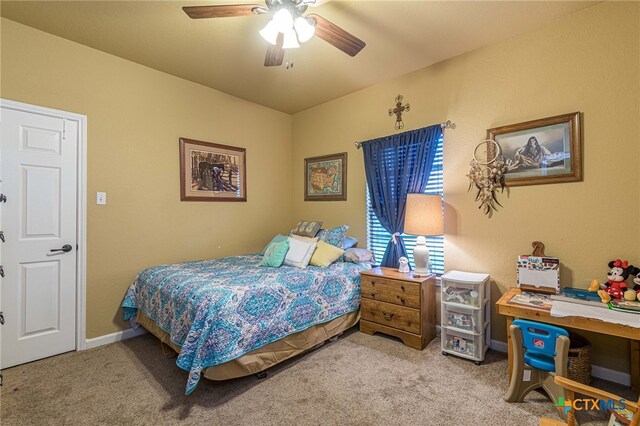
(304, 239)
(358, 255)
(300, 251)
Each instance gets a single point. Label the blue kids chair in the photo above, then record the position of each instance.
(540, 352)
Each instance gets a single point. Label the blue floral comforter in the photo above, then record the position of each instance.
(221, 309)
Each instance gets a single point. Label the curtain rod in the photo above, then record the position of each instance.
(444, 125)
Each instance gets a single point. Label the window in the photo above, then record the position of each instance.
(378, 237)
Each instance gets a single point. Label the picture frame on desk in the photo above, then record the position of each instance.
(539, 274)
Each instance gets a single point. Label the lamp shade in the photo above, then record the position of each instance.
(270, 32)
(304, 29)
(423, 215)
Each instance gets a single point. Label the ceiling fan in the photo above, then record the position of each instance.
(288, 27)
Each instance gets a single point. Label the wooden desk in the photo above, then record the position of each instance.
(578, 323)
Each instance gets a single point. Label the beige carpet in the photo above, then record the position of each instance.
(356, 380)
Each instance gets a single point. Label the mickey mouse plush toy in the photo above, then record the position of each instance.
(634, 294)
(616, 285)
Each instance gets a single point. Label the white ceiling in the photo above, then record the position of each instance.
(228, 54)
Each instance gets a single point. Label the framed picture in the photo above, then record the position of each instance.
(325, 178)
(212, 172)
(548, 150)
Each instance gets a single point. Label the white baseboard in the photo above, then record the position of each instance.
(611, 375)
(596, 371)
(114, 337)
(498, 345)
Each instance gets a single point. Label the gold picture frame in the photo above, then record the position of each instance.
(325, 178)
(548, 150)
(212, 172)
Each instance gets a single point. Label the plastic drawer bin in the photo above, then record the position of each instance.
(464, 344)
(464, 288)
(465, 315)
(461, 318)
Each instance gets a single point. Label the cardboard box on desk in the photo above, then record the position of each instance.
(539, 274)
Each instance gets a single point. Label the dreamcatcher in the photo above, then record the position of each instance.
(487, 174)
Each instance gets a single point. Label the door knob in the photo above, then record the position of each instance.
(65, 248)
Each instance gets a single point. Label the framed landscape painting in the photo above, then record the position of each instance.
(212, 172)
(325, 178)
(548, 150)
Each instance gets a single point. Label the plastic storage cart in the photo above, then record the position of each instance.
(466, 315)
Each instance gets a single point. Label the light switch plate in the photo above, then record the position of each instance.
(101, 198)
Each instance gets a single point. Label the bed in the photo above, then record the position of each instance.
(229, 317)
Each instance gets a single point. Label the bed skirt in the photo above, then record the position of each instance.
(268, 355)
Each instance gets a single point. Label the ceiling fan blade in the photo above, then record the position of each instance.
(275, 54)
(222, 11)
(336, 36)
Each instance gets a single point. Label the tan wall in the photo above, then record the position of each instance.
(587, 62)
(135, 117)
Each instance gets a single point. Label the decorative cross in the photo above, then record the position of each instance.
(398, 110)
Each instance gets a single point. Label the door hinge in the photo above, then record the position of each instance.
(64, 129)
(1, 271)
(3, 198)
(2, 236)
(1, 318)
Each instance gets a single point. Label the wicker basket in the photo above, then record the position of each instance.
(579, 359)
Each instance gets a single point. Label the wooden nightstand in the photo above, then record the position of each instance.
(398, 304)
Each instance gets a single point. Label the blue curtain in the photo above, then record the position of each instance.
(395, 166)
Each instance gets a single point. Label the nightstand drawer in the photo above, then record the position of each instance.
(391, 315)
(403, 293)
(373, 283)
(374, 288)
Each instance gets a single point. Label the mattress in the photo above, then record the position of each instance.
(218, 310)
(266, 356)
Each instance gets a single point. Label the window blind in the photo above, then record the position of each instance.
(378, 237)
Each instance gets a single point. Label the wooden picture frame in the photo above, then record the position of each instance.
(548, 150)
(325, 178)
(212, 172)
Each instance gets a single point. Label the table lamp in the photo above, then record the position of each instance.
(423, 216)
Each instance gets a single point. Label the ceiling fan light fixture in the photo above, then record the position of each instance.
(283, 19)
(290, 40)
(270, 32)
(304, 28)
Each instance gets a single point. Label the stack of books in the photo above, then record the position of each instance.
(532, 300)
(625, 306)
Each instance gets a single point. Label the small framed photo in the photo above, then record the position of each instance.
(548, 150)
(212, 172)
(325, 178)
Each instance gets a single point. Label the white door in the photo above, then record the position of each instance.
(38, 176)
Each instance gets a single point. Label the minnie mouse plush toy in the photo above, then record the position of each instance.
(616, 284)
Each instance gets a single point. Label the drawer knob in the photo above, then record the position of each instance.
(402, 300)
(388, 316)
(402, 287)
(373, 295)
